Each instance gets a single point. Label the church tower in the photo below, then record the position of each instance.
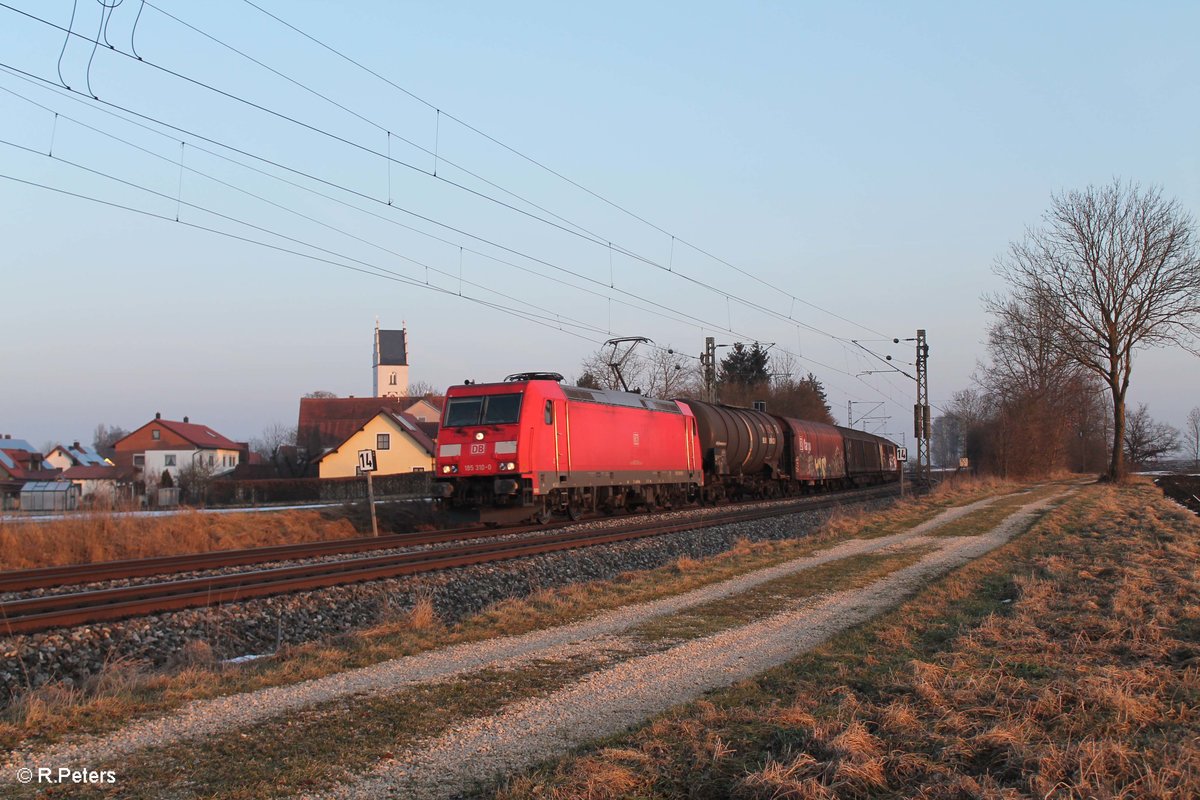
(390, 362)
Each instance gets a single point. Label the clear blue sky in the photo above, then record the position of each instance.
(872, 159)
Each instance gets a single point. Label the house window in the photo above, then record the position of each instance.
(392, 379)
(139, 461)
(156, 434)
(383, 441)
(211, 459)
(169, 461)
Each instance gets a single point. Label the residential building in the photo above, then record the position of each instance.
(164, 445)
(75, 455)
(399, 443)
(19, 464)
(325, 422)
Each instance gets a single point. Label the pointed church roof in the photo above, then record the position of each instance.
(393, 348)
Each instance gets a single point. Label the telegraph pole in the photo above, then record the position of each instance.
(921, 426)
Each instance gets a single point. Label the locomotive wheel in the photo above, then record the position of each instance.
(574, 512)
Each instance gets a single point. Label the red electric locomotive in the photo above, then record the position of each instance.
(538, 447)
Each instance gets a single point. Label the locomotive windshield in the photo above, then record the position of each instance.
(497, 409)
(502, 409)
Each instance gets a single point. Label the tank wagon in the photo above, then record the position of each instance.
(537, 447)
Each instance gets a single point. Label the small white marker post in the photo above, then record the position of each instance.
(366, 463)
(901, 456)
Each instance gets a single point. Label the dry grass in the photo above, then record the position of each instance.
(106, 536)
(1066, 664)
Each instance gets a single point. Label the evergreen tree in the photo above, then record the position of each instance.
(745, 366)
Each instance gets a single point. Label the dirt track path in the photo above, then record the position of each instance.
(608, 701)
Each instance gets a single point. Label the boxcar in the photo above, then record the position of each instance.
(815, 454)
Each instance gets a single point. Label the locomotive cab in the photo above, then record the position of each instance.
(478, 459)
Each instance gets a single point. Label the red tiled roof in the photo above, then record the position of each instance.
(93, 473)
(200, 435)
(326, 422)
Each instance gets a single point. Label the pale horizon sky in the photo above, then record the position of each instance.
(866, 159)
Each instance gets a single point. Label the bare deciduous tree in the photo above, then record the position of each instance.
(105, 437)
(273, 437)
(1147, 440)
(1193, 434)
(1117, 269)
(655, 371)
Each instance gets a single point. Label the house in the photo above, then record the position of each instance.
(399, 443)
(164, 445)
(76, 455)
(98, 485)
(327, 422)
(19, 464)
(426, 409)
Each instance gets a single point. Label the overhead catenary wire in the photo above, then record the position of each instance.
(567, 227)
(729, 297)
(548, 169)
(668, 311)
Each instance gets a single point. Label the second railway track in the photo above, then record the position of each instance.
(34, 614)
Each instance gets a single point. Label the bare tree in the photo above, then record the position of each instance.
(321, 394)
(422, 389)
(105, 437)
(654, 371)
(194, 480)
(1193, 434)
(1147, 440)
(1117, 269)
(273, 437)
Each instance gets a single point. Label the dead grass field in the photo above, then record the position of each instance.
(106, 536)
(1066, 664)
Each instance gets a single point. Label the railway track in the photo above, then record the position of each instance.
(34, 614)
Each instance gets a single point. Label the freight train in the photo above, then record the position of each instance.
(537, 447)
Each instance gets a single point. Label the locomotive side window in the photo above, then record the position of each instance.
(549, 412)
(502, 409)
(463, 411)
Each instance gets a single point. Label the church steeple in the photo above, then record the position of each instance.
(390, 362)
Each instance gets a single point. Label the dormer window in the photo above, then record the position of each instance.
(155, 434)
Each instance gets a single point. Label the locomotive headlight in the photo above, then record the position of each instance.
(446, 468)
(511, 465)
(479, 436)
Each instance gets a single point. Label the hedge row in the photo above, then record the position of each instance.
(311, 490)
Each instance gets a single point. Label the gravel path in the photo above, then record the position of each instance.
(222, 714)
(609, 701)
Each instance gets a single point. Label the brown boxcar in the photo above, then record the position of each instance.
(869, 458)
(813, 452)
